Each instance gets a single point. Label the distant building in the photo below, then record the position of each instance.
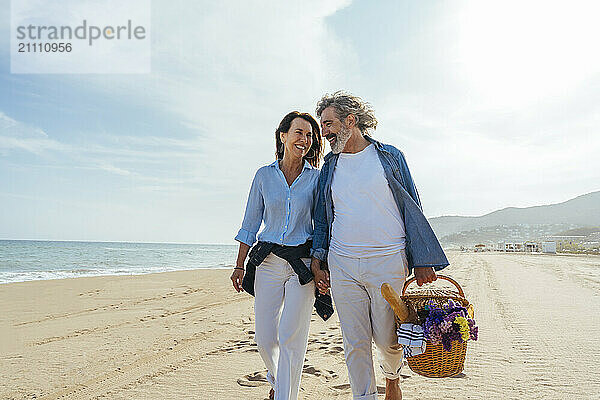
(549, 247)
(511, 246)
(591, 245)
(566, 242)
(532, 247)
(479, 247)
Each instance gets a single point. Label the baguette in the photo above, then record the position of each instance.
(395, 301)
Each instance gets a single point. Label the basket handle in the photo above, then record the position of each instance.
(413, 279)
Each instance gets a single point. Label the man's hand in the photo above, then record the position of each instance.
(425, 275)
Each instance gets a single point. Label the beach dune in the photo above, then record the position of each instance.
(188, 335)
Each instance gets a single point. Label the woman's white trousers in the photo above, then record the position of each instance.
(282, 309)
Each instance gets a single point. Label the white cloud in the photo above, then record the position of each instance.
(471, 163)
(515, 53)
(230, 71)
(15, 135)
(484, 122)
(115, 170)
(141, 155)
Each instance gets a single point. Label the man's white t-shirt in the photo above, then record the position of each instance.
(366, 219)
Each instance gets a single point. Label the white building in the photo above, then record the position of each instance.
(549, 247)
(532, 247)
(511, 246)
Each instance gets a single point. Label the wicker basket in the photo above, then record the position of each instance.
(435, 362)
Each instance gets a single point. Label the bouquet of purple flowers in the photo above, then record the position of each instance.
(447, 323)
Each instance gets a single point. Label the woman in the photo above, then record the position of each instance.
(282, 196)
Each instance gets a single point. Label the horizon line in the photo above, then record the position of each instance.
(112, 241)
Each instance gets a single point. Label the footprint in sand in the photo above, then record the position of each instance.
(335, 350)
(346, 387)
(327, 375)
(237, 345)
(259, 378)
(254, 379)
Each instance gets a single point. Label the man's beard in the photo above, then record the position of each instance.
(341, 138)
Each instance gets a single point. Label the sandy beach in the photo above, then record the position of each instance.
(188, 335)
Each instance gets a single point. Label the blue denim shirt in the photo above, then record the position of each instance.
(422, 247)
(286, 211)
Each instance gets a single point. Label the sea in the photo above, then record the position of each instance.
(27, 260)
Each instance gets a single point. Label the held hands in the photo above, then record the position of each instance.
(321, 275)
(322, 280)
(236, 278)
(425, 275)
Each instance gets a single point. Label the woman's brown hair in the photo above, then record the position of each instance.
(315, 153)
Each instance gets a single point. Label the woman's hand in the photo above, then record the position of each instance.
(236, 278)
(322, 280)
(238, 272)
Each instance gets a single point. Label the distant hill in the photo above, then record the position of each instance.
(514, 223)
(584, 231)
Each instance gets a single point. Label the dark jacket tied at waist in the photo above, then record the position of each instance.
(293, 255)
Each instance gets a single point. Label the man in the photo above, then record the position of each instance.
(370, 229)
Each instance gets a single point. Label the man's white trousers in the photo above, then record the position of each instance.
(282, 308)
(365, 316)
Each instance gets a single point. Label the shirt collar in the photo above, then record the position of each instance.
(377, 144)
(306, 165)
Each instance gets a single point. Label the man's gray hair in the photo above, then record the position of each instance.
(345, 104)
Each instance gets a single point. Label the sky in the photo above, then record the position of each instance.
(494, 104)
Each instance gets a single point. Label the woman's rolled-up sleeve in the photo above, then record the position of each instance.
(254, 213)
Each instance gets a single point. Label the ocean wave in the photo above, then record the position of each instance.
(25, 276)
(123, 249)
(31, 260)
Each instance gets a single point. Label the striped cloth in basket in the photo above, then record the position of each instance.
(410, 336)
